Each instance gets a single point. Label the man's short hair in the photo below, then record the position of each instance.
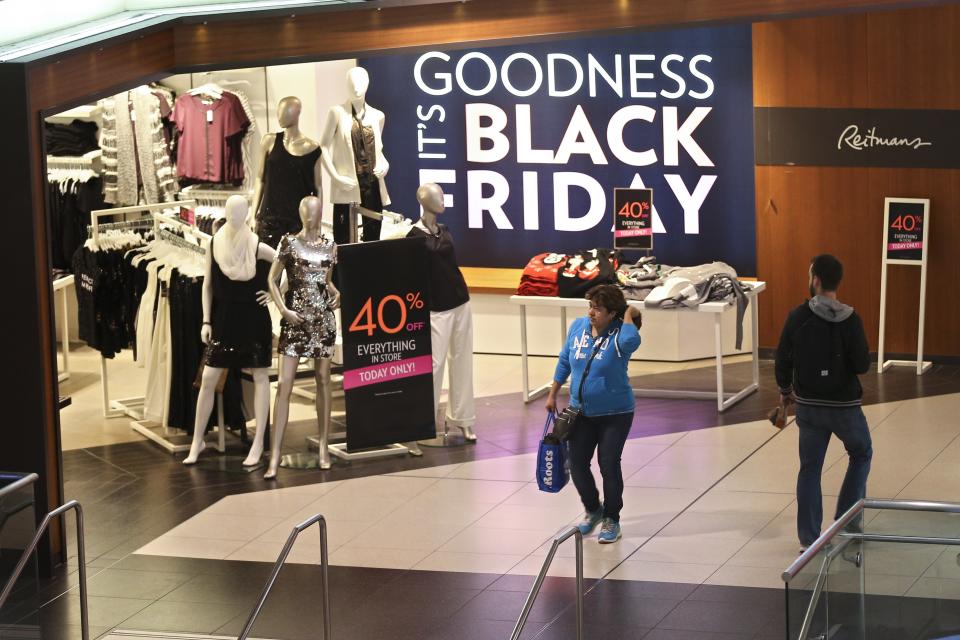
(828, 269)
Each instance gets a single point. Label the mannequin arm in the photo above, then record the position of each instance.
(332, 288)
(273, 282)
(382, 165)
(266, 252)
(390, 215)
(206, 297)
(266, 145)
(318, 176)
(327, 140)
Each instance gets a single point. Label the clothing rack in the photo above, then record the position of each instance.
(144, 223)
(89, 165)
(214, 197)
(132, 407)
(171, 439)
(177, 241)
(60, 286)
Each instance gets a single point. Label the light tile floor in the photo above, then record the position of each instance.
(713, 506)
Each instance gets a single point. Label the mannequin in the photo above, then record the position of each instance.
(236, 326)
(308, 328)
(291, 170)
(353, 156)
(451, 320)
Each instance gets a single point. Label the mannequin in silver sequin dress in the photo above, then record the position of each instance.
(308, 328)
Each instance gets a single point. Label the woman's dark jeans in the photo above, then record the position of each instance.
(606, 435)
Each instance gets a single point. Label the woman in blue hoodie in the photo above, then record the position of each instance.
(596, 352)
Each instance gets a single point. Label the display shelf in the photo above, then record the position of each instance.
(84, 112)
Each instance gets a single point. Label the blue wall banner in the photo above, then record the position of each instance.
(529, 141)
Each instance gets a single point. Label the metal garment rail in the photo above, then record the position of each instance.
(281, 559)
(535, 591)
(81, 560)
(834, 531)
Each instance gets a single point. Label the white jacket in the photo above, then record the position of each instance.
(337, 143)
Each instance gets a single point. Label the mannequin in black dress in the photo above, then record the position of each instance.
(236, 325)
(290, 171)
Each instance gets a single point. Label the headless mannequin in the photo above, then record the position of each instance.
(294, 142)
(234, 218)
(311, 209)
(459, 347)
(339, 159)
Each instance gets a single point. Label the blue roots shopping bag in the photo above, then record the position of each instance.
(553, 466)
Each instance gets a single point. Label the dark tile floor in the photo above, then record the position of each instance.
(132, 493)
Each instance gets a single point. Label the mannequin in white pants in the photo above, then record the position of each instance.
(236, 326)
(451, 320)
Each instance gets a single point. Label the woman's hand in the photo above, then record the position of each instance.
(551, 403)
(632, 314)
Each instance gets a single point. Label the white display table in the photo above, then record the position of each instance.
(725, 400)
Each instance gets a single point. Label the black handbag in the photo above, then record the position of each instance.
(567, 419)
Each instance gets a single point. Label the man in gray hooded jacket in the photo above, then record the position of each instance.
(821, 351)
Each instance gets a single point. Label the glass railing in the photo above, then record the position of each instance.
(885, 570)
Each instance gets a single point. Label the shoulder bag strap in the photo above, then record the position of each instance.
(586, 370)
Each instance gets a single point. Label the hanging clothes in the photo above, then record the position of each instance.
(210, 136)
(105, 314)
(136, 158)
(69, 203)
(250, 142)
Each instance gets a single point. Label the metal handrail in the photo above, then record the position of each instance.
(281, 559)
(834, 531)
(81, 561)
(535, 591)
(853, 512)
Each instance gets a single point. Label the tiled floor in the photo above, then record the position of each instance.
(445, 546)
(712, 506)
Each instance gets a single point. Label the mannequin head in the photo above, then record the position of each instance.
(235, 213)
(311, 212)
(430, 196)
(357, 83)
(288, 111)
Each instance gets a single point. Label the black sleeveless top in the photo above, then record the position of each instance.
(287, 179)
(242, 332)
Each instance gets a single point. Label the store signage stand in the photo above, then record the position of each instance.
(340, 450)
(906, 230)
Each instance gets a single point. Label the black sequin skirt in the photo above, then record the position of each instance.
(242, 337)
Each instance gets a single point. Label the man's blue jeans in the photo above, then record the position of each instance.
(816, 424)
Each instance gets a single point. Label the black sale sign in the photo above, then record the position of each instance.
(387, 366)
(905, 222)
(632, 218)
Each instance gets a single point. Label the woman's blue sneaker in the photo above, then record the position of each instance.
(590, 521)
(609, 532)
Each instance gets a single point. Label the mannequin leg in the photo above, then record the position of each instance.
(324, 398)
(441, 325)
(281, 411)
(261, 411)
(461, 410)
(208, 388)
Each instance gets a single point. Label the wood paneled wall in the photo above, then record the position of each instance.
(905, 59)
